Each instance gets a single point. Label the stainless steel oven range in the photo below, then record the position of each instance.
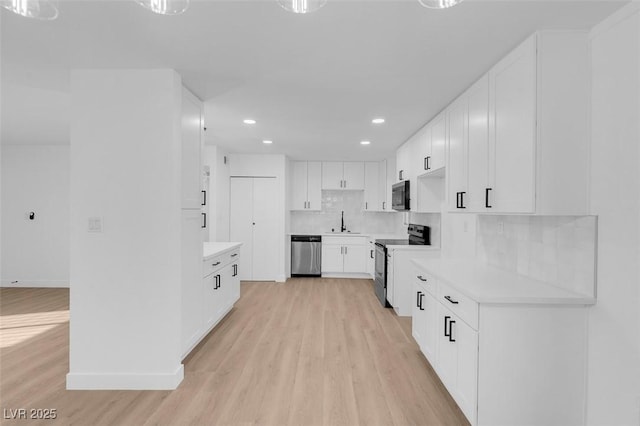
(418, 235)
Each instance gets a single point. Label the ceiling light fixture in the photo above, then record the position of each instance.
(365, 143)
(302, 6)
(439, 4)
(267, 142)
(377, 120)
(249, 121)
(46, 10)
(165, 7)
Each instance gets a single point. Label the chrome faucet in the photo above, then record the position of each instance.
(342, 227)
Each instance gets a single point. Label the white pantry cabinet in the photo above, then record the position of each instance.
(253, 222)
(191, 125)
(515, 134)
(341, 176)
(344, 255)
(306, 185)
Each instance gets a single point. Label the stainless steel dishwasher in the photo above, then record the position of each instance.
(306, 255)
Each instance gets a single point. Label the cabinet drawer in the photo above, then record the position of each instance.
(426, 280)
(344, 240)
(459, 304)
(213, 264)
(232, 256)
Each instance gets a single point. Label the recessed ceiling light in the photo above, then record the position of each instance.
(365, 143)
(267, 142)
(377, 120)
(249, 121)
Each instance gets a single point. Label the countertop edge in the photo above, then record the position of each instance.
(231, 247)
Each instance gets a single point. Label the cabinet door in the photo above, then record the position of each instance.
(371, 259)
(438, 142)
(241, 221)
(371, 186)
(391, 179)
(299, 185)
(191, 286)
(402, 162)
(422, 161)
(265, 229)
(478, 146)
(354, 175)
(457, 166)
(467, 368)
(210, 299)
(430, 334)
(332, 258)
(412, 172)
(390, 279)
(382, 186)
(191, 151)
(314, 185)
(447, 359)
(512, 93)
(332, 175)
(418, 323)
(355, 258)
(225, 290)
(234, 281)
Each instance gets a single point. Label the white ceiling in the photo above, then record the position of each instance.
(313, 82)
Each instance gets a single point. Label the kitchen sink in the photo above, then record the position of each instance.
(342, 233)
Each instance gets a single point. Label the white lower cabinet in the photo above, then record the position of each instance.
(346, 255)
(219, 292)
(503, 363)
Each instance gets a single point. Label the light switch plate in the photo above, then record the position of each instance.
(95, 224)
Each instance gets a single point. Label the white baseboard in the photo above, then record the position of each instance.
(116, 381)
(363, 276)
(35, 283)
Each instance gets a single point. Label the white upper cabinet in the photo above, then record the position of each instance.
(387, 179)
(191, 151)
(372, 189)
(438, 143)
(513, 130)
(403, 160)
(517, 138)
(306, 181)
(354, 175)
(338, 175)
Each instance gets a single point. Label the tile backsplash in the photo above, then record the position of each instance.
(558, 250)
(355, 219)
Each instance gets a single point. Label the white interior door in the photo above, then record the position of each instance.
(265, 229)
(241, 222)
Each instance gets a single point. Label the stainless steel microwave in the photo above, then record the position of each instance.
(400, 200)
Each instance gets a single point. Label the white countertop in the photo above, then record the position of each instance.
(487, 284)
(217, 248)
(353, 234)
(411, 247)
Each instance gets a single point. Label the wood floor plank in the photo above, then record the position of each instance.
(307, 352)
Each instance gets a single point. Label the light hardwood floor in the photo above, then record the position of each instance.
(307, 352)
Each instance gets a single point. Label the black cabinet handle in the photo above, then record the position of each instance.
(455, 302)
(457, 200)
(446, 320)
(366, 206)
(215, 264)
(371, 254)
(400, 175)
(460, 200)
(217, 284)
(451, 339)
(421, 278)
(427, 160)
(418, 299)
(486, 198)
(234, 254)
(204, 220)
(235, 270)
(420, 306)
(204, 198)
(384, 205)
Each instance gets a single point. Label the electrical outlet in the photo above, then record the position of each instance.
(500, 228)
(95, 224)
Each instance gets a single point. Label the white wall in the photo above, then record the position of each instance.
(35, 252)
(125, 281)
(614, 323)
(267, 166)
